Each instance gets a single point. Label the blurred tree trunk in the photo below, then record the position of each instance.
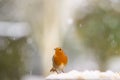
(51, 29)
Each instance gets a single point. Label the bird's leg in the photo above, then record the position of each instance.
(54, 70)
(62, 70)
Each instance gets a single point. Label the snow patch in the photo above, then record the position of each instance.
(14, 30)
(86, 75)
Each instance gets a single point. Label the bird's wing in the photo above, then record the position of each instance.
(66, 59)
(53, 59)
(54, 62)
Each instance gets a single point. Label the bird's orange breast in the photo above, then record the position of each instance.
(60, 59)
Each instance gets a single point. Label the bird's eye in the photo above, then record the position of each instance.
(60, 49)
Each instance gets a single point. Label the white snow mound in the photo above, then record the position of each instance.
(86, 75)
(14, 29)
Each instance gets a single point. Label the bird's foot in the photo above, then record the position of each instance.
(63, 71)
(53, 70)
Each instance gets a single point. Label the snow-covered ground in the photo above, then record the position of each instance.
(86, 75)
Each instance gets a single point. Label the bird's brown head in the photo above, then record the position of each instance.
(58, 51)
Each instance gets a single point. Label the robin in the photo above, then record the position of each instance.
(59, 60)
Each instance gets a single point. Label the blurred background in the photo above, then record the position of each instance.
(87, 30)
